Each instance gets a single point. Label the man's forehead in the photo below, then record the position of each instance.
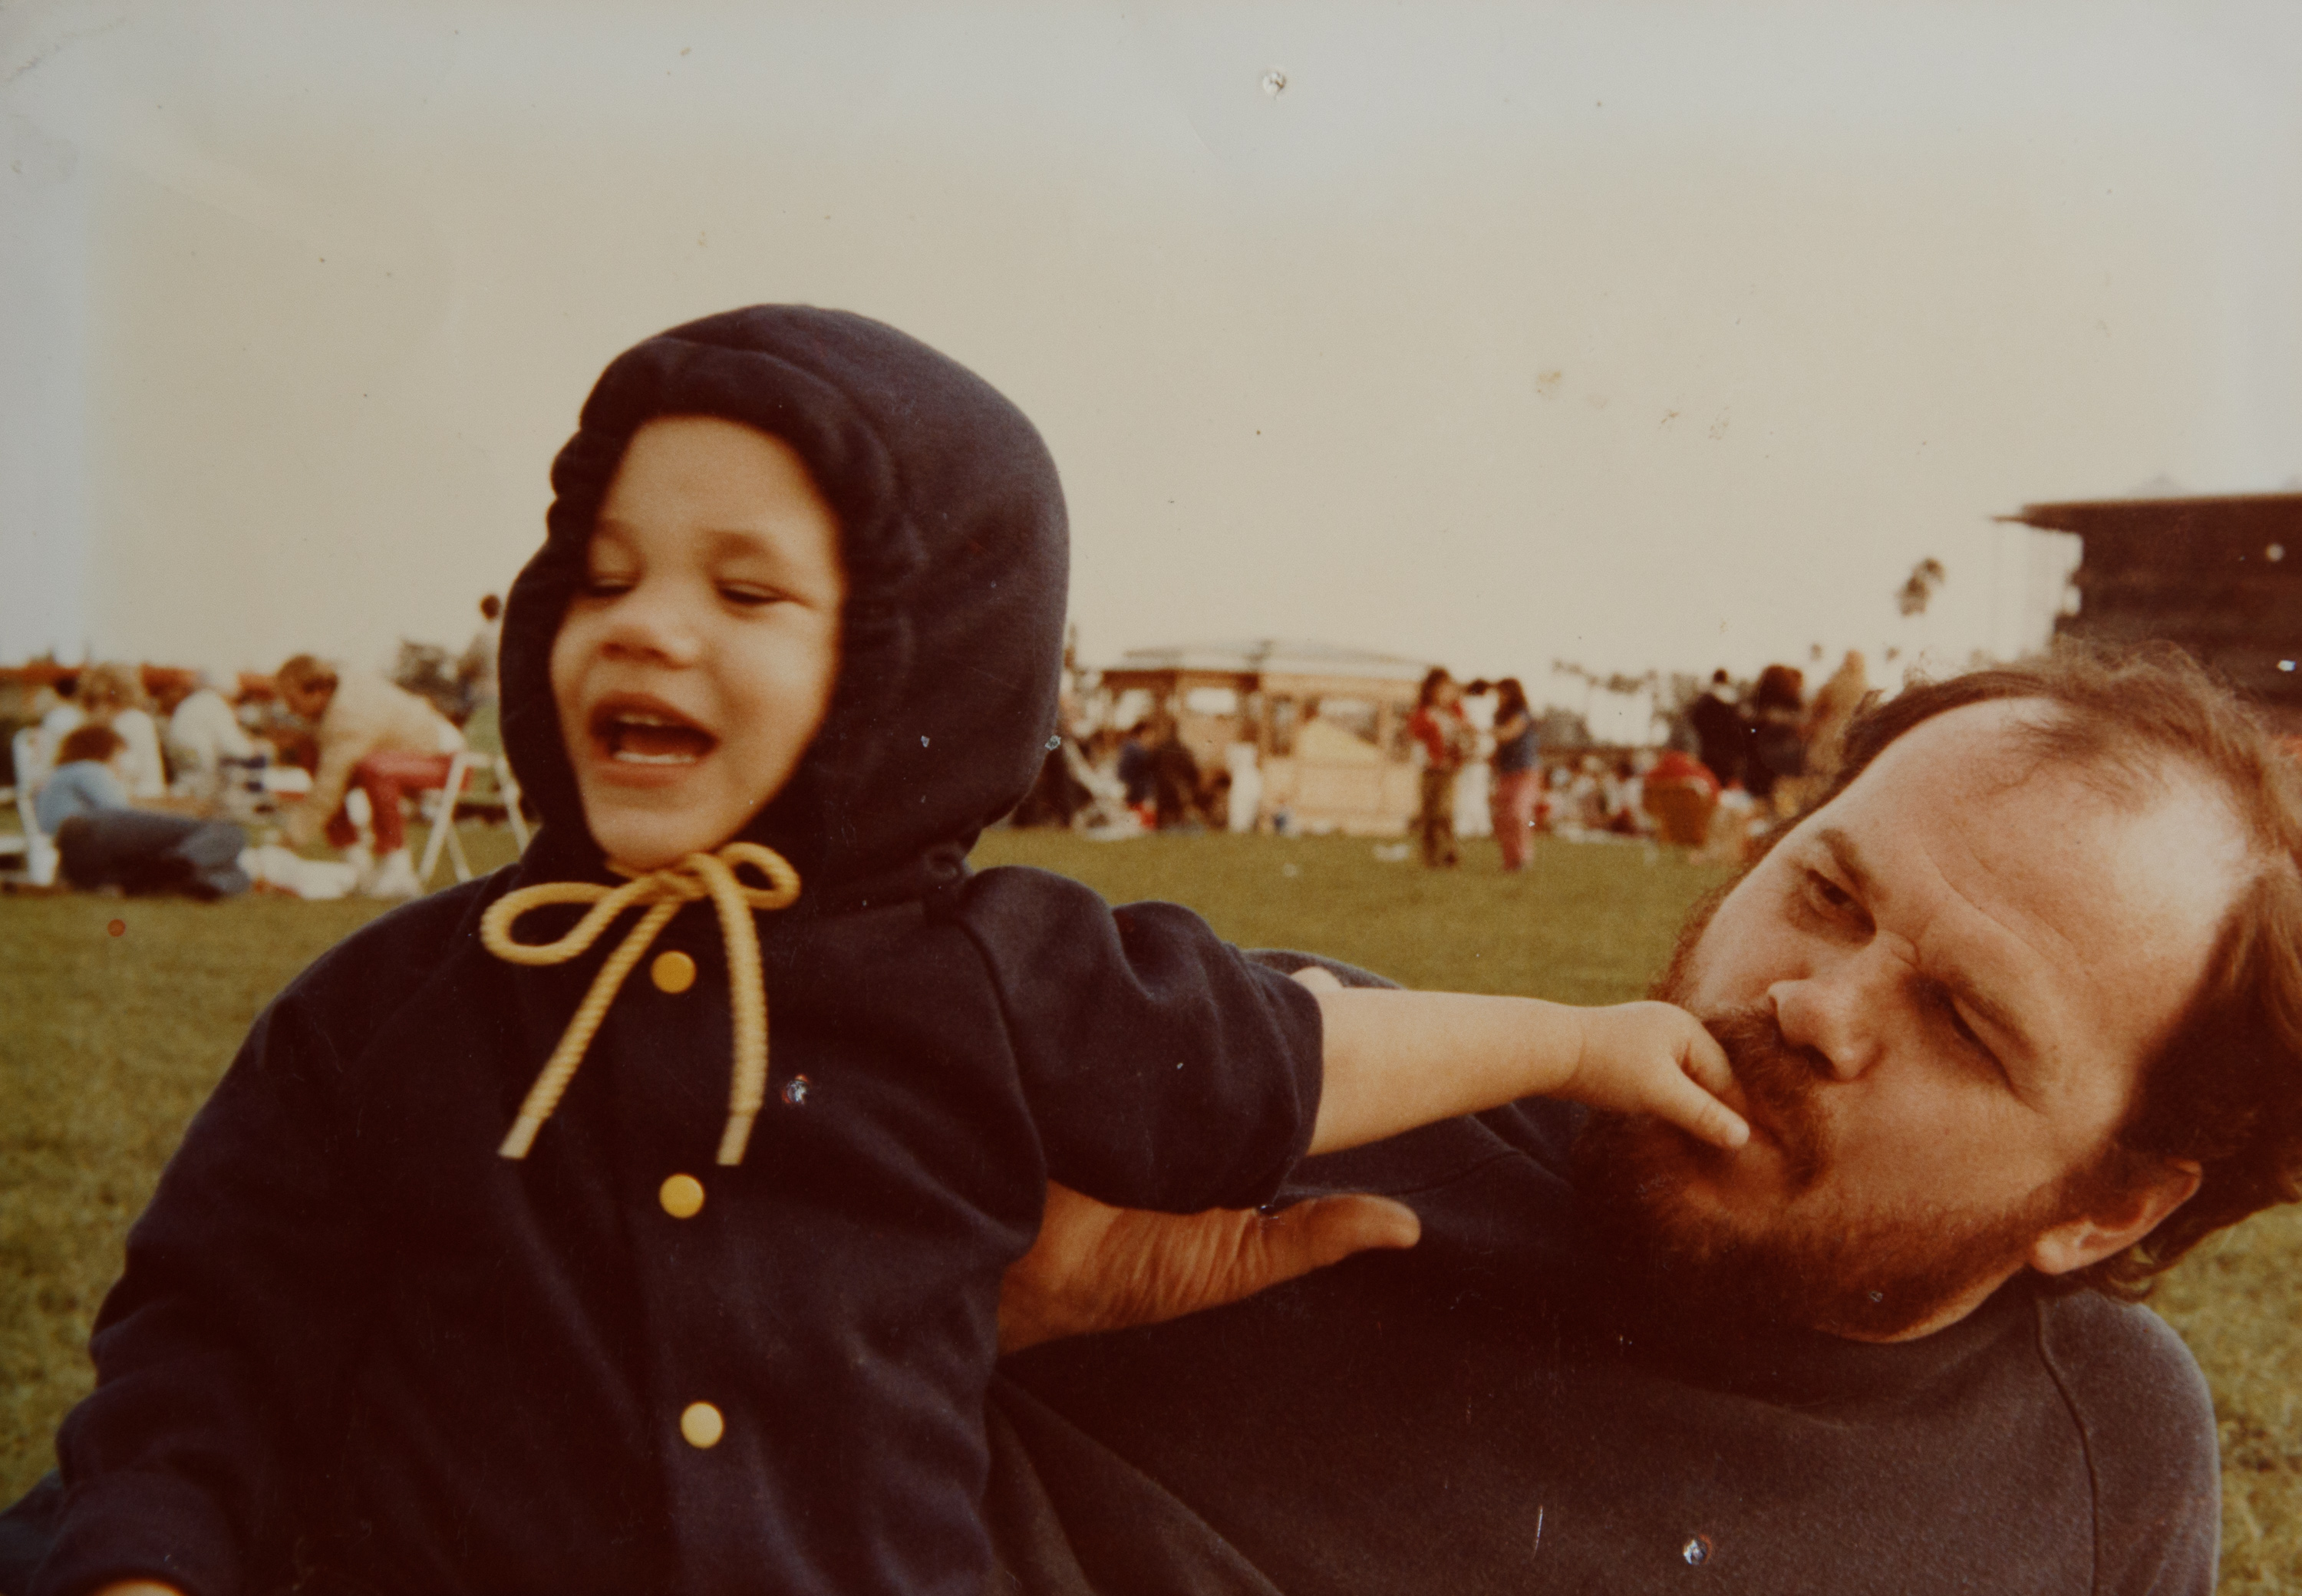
(2064, 904)
(1994, 731)
(1997, 757)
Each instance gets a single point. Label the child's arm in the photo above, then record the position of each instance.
(1396, 1060)
(1392, 1063)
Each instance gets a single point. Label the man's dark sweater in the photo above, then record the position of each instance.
(1485, 1413)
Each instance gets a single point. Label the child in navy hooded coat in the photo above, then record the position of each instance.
(669, 1335)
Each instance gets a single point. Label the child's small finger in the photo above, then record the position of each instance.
(1706, 1062)
(1732, 1131)
(1706, 1117)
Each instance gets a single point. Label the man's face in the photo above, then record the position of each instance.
(1938, 992)
(696, 663)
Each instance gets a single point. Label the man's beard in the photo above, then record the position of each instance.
(1867, 1273)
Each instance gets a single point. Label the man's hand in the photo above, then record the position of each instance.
(1095, 1267)
(1656, 1059)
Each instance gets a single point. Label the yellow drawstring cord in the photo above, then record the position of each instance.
(664, 891)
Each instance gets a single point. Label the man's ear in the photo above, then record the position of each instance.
(2118, 1220)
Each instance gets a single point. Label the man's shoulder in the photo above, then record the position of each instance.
(2147, 1419)
(2119, 1362)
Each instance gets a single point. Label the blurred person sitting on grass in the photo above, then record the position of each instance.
(382, 739)
(204, 732)
(2015, 1014)
(799, 613)
(109, 695)
(103, 840)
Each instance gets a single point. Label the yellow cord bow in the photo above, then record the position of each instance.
(665, 892)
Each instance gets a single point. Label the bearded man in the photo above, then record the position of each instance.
(2016, 1018)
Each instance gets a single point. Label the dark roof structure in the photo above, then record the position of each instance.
(2221, 575)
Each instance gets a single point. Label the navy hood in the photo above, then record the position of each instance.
(953, 539)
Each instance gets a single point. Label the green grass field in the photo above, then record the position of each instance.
(110, 1041)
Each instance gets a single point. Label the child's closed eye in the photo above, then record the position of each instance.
(750, 594)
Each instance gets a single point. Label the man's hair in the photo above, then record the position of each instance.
(2226, 1088)
(97, 743)
(307, 673)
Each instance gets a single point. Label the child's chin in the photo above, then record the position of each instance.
(638, 845)
(648, 830)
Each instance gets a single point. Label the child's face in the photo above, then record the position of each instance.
(696, 662)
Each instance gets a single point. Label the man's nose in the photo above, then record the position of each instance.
(1837, 1013)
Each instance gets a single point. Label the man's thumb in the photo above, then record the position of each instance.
(1327, 1229)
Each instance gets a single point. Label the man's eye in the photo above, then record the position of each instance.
(1829, 895)
(1939, 998)
(1967, 1035)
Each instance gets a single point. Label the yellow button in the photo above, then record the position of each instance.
(673, 971)
(701, 1425)
(682, 1197)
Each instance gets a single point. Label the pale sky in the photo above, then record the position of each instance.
(1641, 335)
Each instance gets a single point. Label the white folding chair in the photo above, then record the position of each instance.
(40, 848)
(443, 820)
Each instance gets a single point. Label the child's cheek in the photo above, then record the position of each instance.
(568, 659)
(569, 655)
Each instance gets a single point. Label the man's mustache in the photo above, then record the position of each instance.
(1779, 1080)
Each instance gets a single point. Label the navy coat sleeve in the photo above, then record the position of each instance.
(238, 1307)
(1162, 1067)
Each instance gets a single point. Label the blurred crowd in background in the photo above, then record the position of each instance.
(155, 778)
(1477, 760)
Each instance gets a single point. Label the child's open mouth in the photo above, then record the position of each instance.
(633, 734)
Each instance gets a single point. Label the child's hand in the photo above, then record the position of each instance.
(1396, 1060)
(1655, 1058)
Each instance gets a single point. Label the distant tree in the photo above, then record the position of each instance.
(1919, 586)
(1674, 696)
(1678, 692)
(1555, 727)
(1616, 682)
